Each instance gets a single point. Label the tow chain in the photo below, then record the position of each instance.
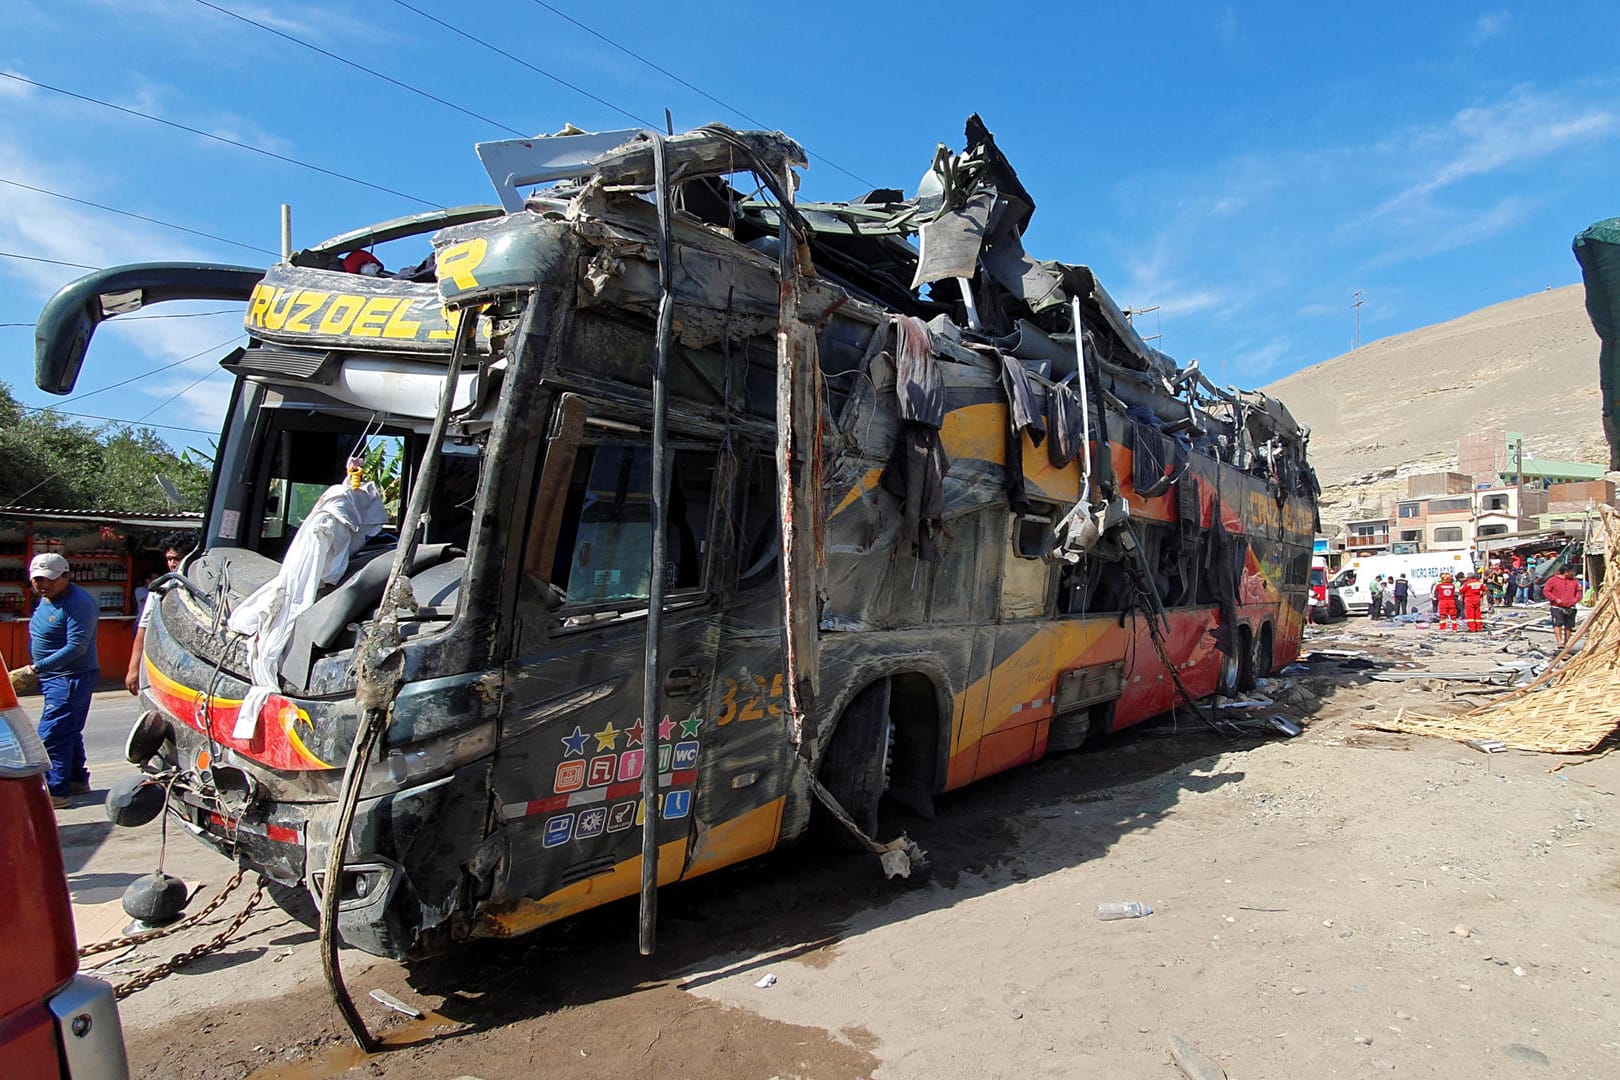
(165, 931)
(180, 960)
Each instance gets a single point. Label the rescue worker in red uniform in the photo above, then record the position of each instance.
(1445, 596)
(1473, 598)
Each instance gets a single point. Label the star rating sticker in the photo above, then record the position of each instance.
(608, 737)
(633, 736)
(689, 727)
(666, 729)
(574, 745)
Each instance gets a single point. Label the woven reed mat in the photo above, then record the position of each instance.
(1570, 707)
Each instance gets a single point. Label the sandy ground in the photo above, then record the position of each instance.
(1310, 900)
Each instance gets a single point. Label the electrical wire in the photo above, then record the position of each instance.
(116, 420)
(76, 398)
(147, 318)
(137, 217)
(695, 89)
(361, 67)
(220, 139)
(139, 421)
(52, 262)
(524, 63)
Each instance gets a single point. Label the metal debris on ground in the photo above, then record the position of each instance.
(1286, 725)
(383, 997)
(1445, 676)
(1193, 1064)
(1570, 708)
(1486, 746)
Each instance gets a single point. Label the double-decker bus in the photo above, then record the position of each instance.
(710, 503)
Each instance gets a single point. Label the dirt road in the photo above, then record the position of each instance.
(1345, 903)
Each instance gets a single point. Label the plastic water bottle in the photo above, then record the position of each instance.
(1128, 909)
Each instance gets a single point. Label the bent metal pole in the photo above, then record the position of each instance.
(648, 938)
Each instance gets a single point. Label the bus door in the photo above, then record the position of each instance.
(1018, 709)
(746, 763)
(574, 741)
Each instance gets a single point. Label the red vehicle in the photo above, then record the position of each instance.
(1323, 607)
(54, 1022)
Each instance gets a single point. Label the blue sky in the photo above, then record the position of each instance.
(1245, 167)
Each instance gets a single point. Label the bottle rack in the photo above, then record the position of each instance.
(103, 569)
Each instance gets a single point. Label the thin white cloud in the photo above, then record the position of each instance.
(1451, 230)
(40, 226)
(1254, 364)
(1487, 26)
(155, 99)
(327, 24)
(1478, 141)
(12, 89)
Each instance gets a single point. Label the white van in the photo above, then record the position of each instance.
(1422, 572)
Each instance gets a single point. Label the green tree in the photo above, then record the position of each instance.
(53, 461)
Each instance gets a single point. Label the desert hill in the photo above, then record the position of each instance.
(1396, 406)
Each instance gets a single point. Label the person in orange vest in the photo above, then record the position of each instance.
(1473, 598)
(1445, 596)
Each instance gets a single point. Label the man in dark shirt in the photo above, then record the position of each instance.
(62, 642)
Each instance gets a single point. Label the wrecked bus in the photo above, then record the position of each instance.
(717, 514)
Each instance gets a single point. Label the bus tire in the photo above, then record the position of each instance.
(1246, 661)
(1231, 674)
(855, 767)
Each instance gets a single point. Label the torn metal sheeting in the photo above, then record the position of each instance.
(383, 997)
(1444, 676)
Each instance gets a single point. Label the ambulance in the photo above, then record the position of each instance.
(1348, 592)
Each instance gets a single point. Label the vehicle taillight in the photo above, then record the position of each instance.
(21, 752)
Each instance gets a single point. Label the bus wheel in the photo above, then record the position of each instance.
(1246, 661)
(1231, 668)
(855, 767)
(1265, 650)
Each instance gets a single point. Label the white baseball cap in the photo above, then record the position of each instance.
(49, 565)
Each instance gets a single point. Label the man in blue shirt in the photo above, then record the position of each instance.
(62, 641)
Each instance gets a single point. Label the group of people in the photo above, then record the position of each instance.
(1388, 596)
(1467, 595)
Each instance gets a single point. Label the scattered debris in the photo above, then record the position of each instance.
(1192, 1063)
(383, 997)
(766, 981)
(1246, 703)
(1127, 909)
(1486, 746)
(1287, 725)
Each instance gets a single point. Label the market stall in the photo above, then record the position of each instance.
(112, 555)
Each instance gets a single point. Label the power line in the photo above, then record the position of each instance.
(114, 420)
(53, 262)
(140, 422)
(695, 89)
(220, 139)
(137, 217)
(147, 318)
(155, 371)
(361, 67)
(519, 60)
